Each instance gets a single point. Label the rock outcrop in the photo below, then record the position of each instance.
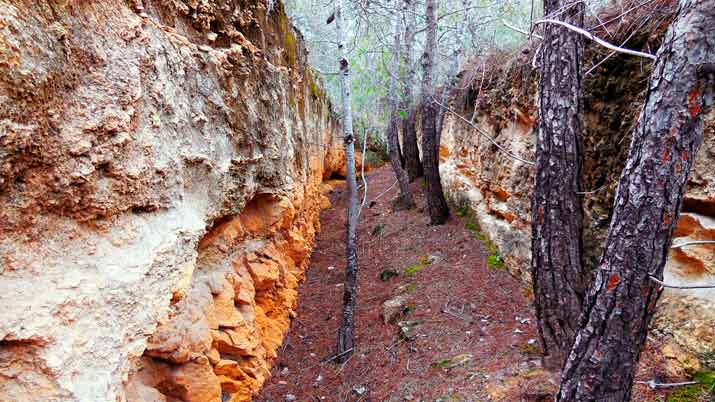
(502, 97)
(160, 184)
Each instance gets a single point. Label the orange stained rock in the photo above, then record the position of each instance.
(192, 382)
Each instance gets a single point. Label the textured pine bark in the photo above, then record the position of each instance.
(410, 151)
(413, 165)
(392, 130)
(622, 299)
(346, 332)
(559, 279)
(436, 204)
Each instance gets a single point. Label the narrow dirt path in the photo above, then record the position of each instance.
(472, 334)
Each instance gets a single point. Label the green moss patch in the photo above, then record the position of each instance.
(456, 361)
(703, 391)
(422, 263)
(413, 269)
(494, 260)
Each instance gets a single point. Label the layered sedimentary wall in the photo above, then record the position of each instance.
(502, 97)
(160, 183)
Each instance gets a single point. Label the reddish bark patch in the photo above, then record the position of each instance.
(666, 155)
(540, 215)
(613, 281)
(666, 219)
(694, 103)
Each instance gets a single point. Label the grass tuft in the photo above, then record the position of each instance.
(456, 361)
(422, 263)
(413, 269)
(494, 260)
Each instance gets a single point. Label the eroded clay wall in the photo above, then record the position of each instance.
(160, 183)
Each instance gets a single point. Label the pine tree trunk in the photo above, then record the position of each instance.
(622, 299)
(346, 335)
(392, 131)
(559, 279)
(410, 151)
(436, 204)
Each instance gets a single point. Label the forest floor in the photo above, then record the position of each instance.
(471, 329)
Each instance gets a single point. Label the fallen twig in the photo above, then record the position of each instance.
(455, 315)
(346, 362)
(333, 357)
(394, 344)
(384, 192)
(655, 385)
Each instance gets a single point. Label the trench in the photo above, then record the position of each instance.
(465, 329)
(448, 332)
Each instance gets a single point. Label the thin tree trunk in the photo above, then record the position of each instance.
(559, 279)
(411, 152)
(409, 132)
(392, 131)
(436, 204)
(451, 74)
(622, 299)
(346, 335)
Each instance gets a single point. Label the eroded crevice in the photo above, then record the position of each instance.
(224, 331)
(701, 206)
(23, 371)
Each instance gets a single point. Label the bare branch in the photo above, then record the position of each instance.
(593, 191)
(384, 192)
(614, 52)
(506, 24)
(485, 135)
(665, 285)
(692, 243)
(597, 39)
